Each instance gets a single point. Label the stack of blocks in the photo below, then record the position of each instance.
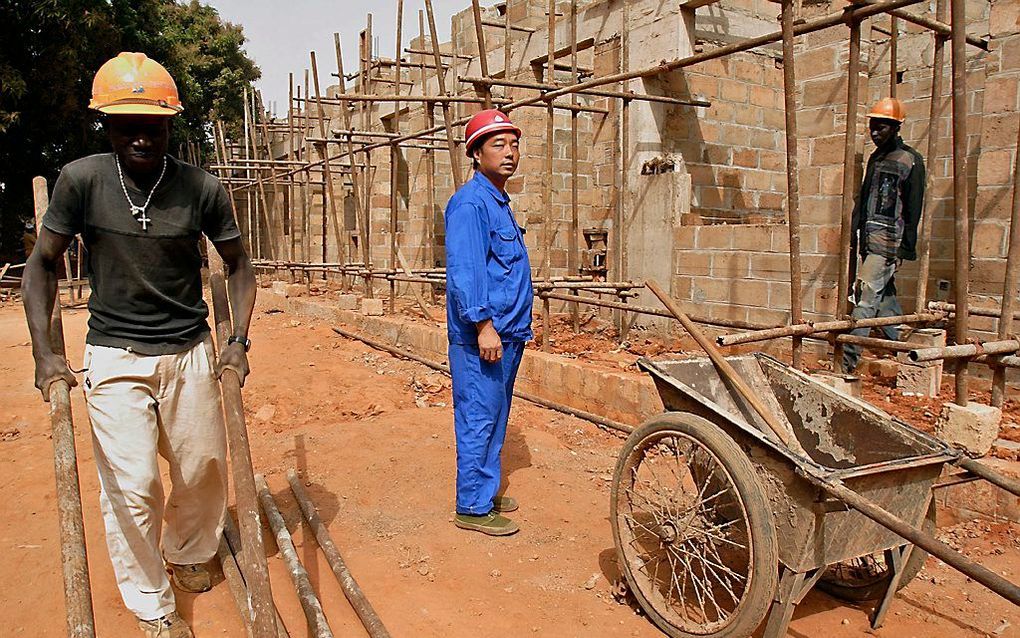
(921, 379)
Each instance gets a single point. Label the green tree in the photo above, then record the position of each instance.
(49, 52)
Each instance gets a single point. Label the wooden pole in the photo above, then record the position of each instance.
(253, 554)
(369, 618)
(928, 212)
(341, 252)
(74, 561)
(394, 161)
(792, 172)
(726, 370)
(1009, 284)
(292, 254)
(961, 243)
(547, 199)
(894, 28)
(458, 179)
(849, 182)
(573, 250)
(483, 55)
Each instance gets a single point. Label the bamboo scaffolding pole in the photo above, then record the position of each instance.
(792, 172)
(310, 605)
(928, 212)
(961, 238)
(458, 178)
(805, 329)
(1009, 284)
(359, 189)
(544, 86)
(359, 602)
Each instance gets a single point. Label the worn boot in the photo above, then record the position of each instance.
(193, 579)
(492, 524)
(169, 626)
(503, 504)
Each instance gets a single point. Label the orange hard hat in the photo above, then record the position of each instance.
(486, 122)
(888, 108)
(132, 84)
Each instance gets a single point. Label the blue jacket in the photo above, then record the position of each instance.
(488, 275)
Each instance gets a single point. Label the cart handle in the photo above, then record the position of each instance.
(927, 542)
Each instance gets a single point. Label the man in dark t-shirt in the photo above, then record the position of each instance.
(149, 378)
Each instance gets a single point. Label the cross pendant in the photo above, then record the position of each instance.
(139, 214)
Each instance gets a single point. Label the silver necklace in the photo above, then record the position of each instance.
(138, 212)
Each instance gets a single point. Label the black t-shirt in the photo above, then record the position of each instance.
(146, 284)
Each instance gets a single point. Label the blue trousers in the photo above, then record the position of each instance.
(482, 393)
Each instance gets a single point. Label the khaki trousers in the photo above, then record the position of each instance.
(141, 406)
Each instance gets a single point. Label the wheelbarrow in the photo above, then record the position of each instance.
(718, 525)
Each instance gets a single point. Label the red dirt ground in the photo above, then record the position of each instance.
(373, 437)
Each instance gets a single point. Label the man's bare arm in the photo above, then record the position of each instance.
(39, 292)
(242, 287)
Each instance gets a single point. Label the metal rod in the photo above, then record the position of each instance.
(961, 238)
(805, 329)
(792, 171)
(74, 563)
(253, 552)
(369, 618)
(1009, 284)
(966, 350)
(317, 624)
(849, 182)
(927, 542)
(928, 212)
(726, 370)
(527, 396)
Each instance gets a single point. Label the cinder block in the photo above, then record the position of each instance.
(883, 368)
(846, 383)
(346, 301)
(279, 288)
(295, 290)
(919, 380)
(972, 428)
(372, 307)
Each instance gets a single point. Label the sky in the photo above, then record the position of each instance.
(280, 35)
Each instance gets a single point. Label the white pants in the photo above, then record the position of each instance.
(141, 406)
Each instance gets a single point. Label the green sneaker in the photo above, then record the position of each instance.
(492, 524)
(504, 504)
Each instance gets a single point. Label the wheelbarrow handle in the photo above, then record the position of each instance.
(1011, 485)
(927, 542)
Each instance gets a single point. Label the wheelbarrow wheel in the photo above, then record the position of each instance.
(867, 578)
(694, 532)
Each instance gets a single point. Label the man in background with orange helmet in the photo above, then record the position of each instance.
(149, 374)
(885, 220)
(488, 309)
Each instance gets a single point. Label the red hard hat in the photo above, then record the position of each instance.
(486, 122)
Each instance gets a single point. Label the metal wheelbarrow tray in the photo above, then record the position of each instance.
(718, 524)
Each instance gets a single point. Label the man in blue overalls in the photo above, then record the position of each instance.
(488, 317)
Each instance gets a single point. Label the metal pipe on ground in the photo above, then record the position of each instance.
(927, 542)
(369, 618)
(527, 396)
(81, 622)
(317, 624)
